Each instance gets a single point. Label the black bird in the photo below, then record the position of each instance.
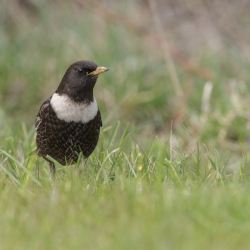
(68, 123)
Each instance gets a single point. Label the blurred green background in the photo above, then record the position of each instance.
(161, 55)
(136, 39)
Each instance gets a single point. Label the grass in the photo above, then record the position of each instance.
(168, 172)
(124, 197)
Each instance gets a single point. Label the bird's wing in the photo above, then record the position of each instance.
(39, 116)
(99, 114)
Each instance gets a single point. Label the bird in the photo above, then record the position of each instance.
(68, 122)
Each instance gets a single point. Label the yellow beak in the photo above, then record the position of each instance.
(98, 71)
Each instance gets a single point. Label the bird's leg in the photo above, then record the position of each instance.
(52, 169)
(81, 166)
(38, 172)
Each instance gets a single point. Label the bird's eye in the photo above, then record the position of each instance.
(80, 71)
(87, 71)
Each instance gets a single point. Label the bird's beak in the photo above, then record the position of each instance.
(98, 71)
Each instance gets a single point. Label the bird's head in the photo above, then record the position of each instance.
(79, 80)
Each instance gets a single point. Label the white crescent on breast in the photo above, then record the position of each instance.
(70, 111)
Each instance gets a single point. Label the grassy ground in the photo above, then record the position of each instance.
(171, 170)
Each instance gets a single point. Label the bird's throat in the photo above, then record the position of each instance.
(86, 97)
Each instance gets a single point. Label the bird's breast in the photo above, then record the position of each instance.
(70, 111)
